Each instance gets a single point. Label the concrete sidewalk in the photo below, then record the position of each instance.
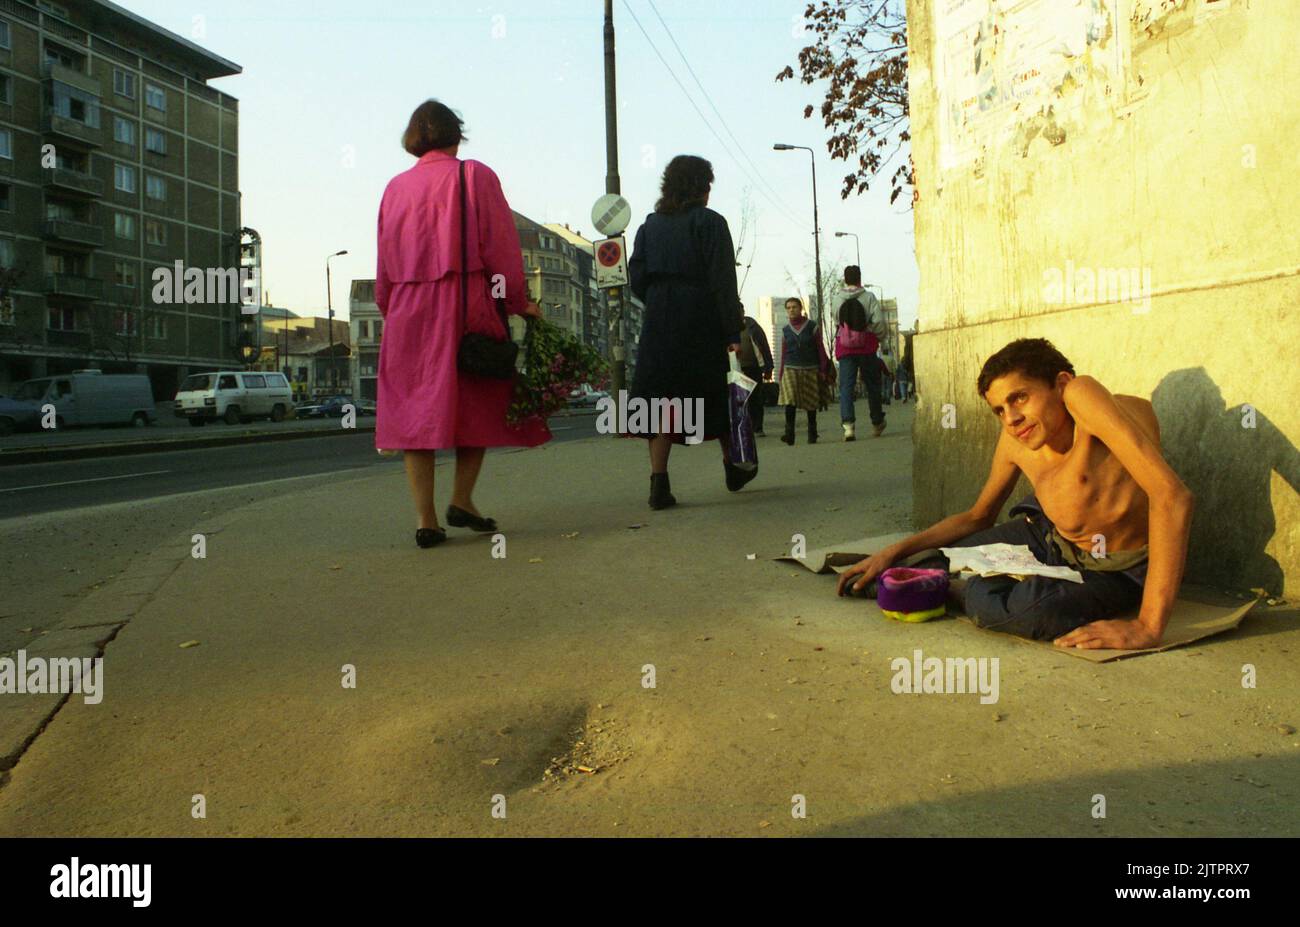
(479, 677)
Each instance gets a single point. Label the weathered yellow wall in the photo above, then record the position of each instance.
(1183, 165)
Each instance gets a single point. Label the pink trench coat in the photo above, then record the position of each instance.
(425, 403)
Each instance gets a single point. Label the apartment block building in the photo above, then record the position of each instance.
(116, 158)
(367, 332)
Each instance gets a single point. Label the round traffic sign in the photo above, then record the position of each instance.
(609, 253)
(611, 214)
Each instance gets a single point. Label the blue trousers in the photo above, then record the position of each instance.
(1039, 607)
(851, 367)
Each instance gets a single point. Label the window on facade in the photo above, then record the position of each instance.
(65, 262)
(124, 84)
(126, 322)
(124, 131)
(124, 273)
(6, 253)
(6, 88)
(4, 197)
(63, 319)
(7, 144)
(379, 328)
(155, 187)
(64, 57)
(124, 226)
(155, 233)
(75, 104)
(124, 178)
(62, 209)
(158, 326)
(155, 97)
(4, 35)
(155, 141)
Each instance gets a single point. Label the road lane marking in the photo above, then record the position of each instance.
(98, 479)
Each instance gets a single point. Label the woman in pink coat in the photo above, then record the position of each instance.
(425, 403)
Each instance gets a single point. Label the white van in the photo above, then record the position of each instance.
(233, 396)
(92, 397)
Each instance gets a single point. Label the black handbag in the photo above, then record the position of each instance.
(479, 354)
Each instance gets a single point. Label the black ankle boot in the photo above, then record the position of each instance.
(661, 496)
(788, 437)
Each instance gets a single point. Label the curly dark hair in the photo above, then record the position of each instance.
(433, 126)
(1033, 357)
(687, 181)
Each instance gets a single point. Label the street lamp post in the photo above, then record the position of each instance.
(817, 231)
(329, 321)
(857, 245)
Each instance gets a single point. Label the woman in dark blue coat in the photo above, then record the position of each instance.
(683, 268)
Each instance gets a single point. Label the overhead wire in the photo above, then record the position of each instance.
(708, 124)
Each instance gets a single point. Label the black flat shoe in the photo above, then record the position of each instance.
(459, 518)
(430, 537)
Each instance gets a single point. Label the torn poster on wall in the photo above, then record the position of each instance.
(1011, 71)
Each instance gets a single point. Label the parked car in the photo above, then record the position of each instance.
(234, 396)
(584, 397)
(18, 415)
(334, 407)
(91, 397)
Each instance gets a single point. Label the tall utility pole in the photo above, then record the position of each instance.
(614, 297)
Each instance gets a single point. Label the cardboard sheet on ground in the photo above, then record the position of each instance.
(1198, 613)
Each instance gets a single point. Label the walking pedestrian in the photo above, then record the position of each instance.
(683, 268)
(867, 365)
(854, 345)
(756, 363)
(804, 370)
(430, 291)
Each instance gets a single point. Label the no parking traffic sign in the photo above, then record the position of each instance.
(611, 263)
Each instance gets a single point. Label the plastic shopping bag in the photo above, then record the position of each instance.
(744, 451)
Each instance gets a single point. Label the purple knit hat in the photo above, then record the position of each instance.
(903, 589)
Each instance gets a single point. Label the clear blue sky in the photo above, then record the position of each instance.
(328, 86)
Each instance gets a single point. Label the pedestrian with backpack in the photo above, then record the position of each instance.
(859, 325)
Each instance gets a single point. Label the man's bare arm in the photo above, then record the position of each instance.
(1170, 508)
(1003, 474)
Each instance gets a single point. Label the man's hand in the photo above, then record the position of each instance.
(531, 310)
(864, 571)
(733, 348)
(1110, 635)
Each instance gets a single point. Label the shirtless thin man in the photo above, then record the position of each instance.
(1101, 484)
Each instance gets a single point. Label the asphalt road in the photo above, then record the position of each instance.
(31, 489)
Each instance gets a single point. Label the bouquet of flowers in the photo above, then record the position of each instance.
(555, 364)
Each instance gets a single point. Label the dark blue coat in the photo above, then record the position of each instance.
(683, 268)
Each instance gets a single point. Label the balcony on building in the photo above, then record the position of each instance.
(70, 181)
(74, 286)
(71, 130)
(57, 338)
(73, 232)
(72, 105)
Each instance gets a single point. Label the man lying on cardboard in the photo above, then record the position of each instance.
(1105, 502)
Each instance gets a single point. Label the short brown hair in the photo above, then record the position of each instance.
(433, 126)
(1036, 358)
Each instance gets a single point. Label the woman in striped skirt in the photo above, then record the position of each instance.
(805, 370)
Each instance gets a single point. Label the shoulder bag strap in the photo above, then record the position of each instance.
(464, 263)
(464, 255)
